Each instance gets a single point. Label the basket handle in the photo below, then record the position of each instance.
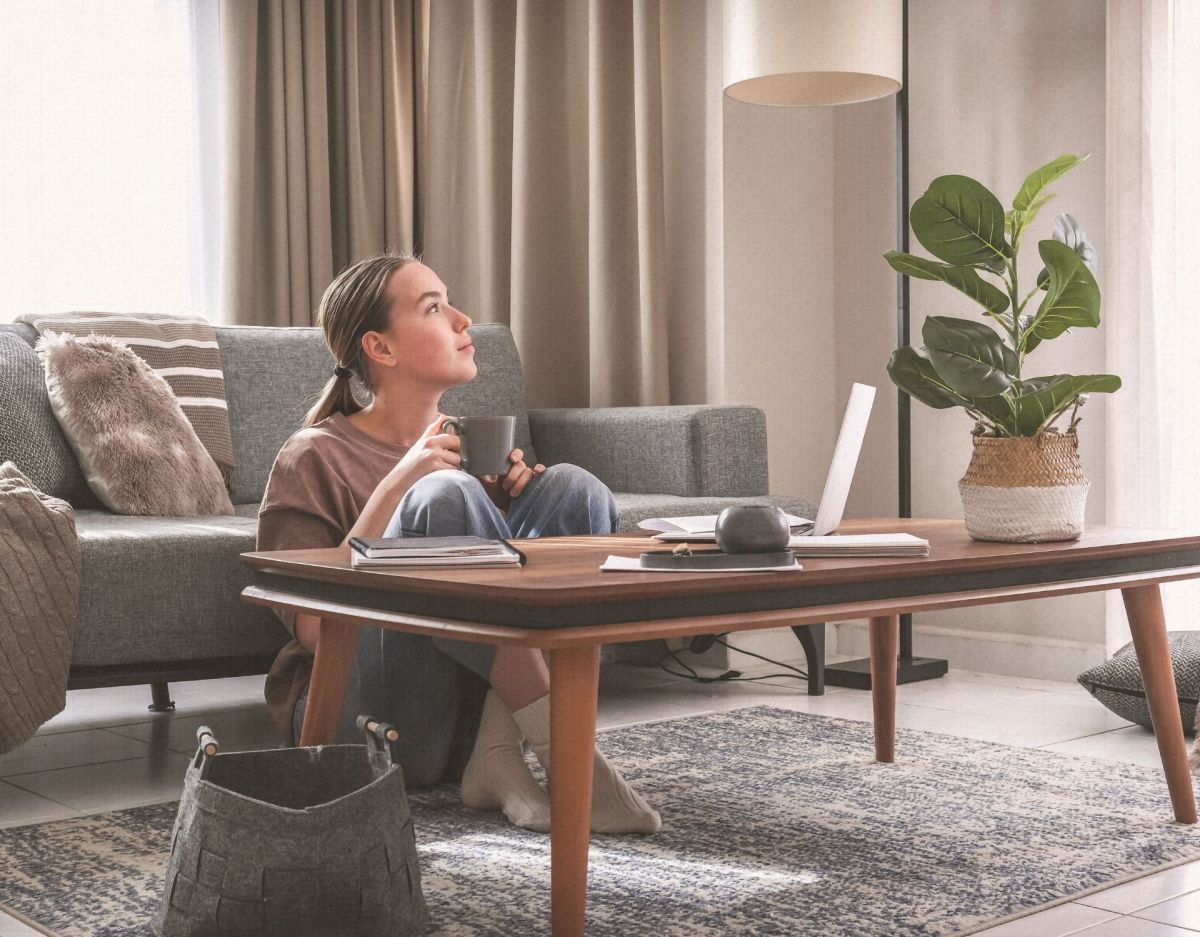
(206, 745)
(379, 735)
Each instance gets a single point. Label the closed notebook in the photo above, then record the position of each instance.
(888, 544)
(432, 551)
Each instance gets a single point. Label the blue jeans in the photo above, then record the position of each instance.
(432, 689)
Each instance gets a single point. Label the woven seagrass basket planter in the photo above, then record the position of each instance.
(1024, 489)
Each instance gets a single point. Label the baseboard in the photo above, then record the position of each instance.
(1021, 655)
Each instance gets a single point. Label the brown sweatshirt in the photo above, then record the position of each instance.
(319, 484)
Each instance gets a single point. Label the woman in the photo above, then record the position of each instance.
(387, 469)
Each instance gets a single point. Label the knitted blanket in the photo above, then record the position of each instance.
(183, 351)
(39, 593)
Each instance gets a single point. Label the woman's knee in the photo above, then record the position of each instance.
(447, 494)
(583, 487)
(444, 485)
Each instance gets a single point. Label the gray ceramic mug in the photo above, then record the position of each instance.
(487, 442)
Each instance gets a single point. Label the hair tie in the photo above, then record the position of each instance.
(342, 373)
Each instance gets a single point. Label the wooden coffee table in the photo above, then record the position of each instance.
(562, 603)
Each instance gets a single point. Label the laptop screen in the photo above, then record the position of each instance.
(845, 458)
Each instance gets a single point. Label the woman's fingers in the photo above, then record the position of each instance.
(522, 480)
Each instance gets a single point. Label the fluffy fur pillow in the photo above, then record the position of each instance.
(137, 450)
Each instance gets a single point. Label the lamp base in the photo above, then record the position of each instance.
(856, 674)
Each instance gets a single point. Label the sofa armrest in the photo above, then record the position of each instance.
(689, 451)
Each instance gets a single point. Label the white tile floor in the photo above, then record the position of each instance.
(106, 752)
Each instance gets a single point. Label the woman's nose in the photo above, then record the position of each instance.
(466, 318)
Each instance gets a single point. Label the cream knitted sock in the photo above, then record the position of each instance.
(616, 807)
(496, 776)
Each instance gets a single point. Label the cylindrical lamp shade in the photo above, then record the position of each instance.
(812, 52)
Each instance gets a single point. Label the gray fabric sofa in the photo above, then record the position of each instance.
(159, 599)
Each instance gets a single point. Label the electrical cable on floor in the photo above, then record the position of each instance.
(729, 676)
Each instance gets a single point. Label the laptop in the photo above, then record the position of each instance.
(833, 496)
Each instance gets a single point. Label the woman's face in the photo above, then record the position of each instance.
(426, 335)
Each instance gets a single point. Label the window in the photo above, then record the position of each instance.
(98, 164)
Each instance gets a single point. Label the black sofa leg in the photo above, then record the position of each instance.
(812, 639)
(160, 698)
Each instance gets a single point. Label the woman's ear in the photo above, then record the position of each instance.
(376, 349)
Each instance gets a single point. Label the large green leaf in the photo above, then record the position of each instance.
(970, 358)
(911, 371)
(1072, 296)
(1040, 399)
(959, 221)
(963, 279)
(1042, 177)
(1017, 221)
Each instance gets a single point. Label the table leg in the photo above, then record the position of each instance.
(336, 648)
(885, 652)
(1143, 606)
(574, 681)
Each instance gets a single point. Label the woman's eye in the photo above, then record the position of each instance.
(436, 307)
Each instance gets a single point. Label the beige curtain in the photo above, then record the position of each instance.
(573, 189)
(1152, 278)
(321, 123)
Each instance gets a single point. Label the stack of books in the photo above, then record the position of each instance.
(432, 551)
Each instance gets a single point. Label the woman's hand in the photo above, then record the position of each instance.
(504, 489)
(434, 450)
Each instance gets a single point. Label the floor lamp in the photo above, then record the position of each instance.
(805, 53)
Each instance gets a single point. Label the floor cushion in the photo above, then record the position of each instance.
(1117, 683)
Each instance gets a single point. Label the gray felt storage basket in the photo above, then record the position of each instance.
(295, 841)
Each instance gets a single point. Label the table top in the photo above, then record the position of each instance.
(562, 583)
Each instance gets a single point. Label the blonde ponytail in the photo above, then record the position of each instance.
(355, 303)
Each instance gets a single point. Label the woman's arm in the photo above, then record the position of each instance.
(433, 451)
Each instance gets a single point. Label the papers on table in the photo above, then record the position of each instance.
(698, 528)
(889, 544)
(628, 564)
(881, 544)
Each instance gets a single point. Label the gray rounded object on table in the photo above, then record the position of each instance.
(296, 841)
(1117, 683)
(752, 528)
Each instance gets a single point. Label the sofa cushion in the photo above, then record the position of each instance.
(273, 376)
(498, 388)
(30, 436)
(136, 447)
(639, 507)
(167, 588)
(1117, 683)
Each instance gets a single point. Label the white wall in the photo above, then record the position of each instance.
(779, 283)
(995, 91)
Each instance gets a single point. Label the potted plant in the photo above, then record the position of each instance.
(1025, 482)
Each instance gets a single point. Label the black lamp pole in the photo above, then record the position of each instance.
(857, 673)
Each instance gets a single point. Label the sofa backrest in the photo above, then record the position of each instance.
(30, 436)
(273, 376)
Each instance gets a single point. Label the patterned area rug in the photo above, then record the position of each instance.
(774, 823)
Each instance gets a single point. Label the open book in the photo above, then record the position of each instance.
(432, 551)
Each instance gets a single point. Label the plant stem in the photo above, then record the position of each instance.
(1028, 296)
(1015, 313)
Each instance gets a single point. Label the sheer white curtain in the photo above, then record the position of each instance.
(1153, 281)
(99, 159)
